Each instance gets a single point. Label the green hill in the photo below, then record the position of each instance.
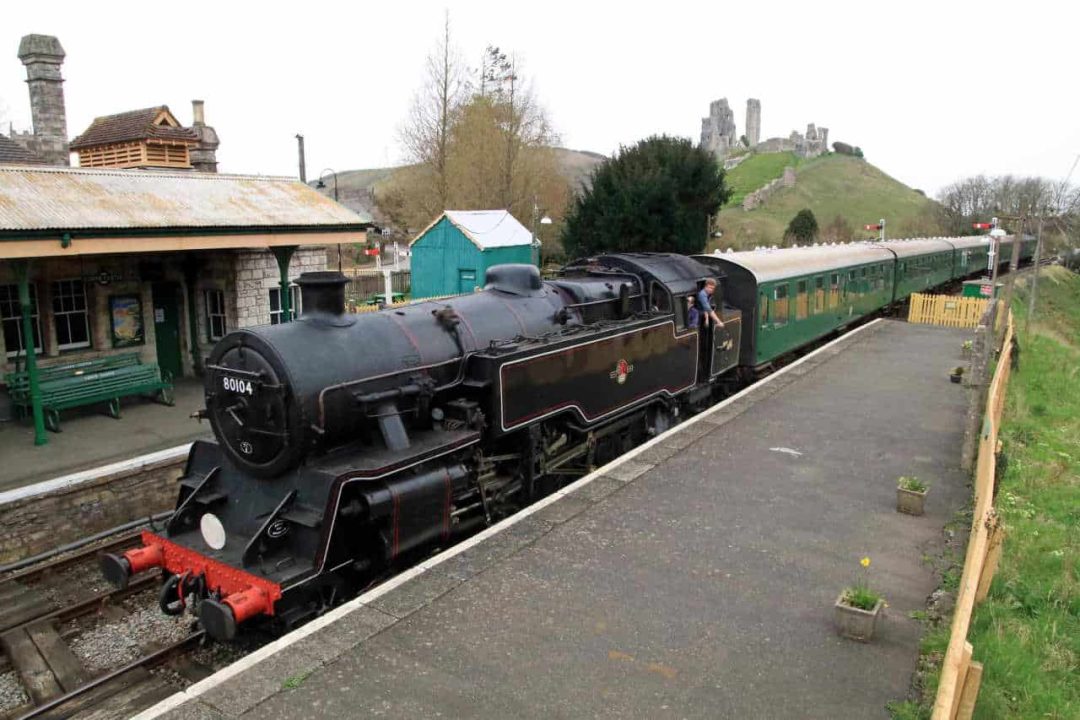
(843, 192)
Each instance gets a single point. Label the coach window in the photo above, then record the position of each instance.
(780, 308)
(819, 294)
(763, 310)
(801, 300)
(834, 290)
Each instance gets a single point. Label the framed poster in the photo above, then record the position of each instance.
(126, 320)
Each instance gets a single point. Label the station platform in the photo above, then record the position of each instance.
(693, 577)
(89, 438)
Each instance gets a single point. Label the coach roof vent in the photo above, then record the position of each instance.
(515, 279)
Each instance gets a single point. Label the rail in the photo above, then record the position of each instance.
(958, 687)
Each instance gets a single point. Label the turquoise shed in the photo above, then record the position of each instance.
(453, 253)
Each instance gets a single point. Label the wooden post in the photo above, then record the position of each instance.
(990, 566)
(961, 678)
(970, 691)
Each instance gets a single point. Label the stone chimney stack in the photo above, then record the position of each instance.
(43, 56)
(203, 155)
(753, 121)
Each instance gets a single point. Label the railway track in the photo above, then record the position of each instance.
(39, 625)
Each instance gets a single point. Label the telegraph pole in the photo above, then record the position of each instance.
(1035, 277)
(1014, 263)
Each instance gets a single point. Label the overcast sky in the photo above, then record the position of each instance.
(931, 91)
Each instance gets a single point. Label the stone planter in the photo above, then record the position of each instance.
(856, 623)
(910, 502)
(956, 377)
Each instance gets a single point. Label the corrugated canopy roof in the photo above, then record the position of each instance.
(135, 125)
(34, 198)
(488, 228)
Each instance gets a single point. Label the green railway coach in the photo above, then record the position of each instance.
(920, 265)
(794, 296)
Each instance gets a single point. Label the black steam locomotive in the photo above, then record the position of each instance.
(350, 444)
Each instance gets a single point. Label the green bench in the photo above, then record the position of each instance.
(89, 382)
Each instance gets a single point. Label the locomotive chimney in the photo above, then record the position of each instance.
(323, 292)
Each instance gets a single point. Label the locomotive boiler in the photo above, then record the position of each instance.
(350, 444)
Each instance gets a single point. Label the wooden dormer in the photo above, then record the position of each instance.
(147, 138)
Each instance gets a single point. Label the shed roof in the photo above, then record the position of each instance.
(486, 229)
(152, 123)
(13, 152)
(37, 198)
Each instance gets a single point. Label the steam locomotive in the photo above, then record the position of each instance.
(350, 444)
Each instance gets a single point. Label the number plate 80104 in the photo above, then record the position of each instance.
(237, 385)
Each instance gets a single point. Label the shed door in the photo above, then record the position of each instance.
(466, 280)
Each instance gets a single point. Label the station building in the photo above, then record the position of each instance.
(146, 248)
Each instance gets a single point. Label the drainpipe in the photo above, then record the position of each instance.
(191, 277)
(283, 254)
(22, 273)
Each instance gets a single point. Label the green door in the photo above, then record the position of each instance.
(167, 327)
(466, 280)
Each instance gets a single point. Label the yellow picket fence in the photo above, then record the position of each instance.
(960, 675)
(947, 310)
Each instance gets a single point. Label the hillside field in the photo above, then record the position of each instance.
(831, 186)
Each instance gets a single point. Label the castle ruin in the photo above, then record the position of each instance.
(718, 133)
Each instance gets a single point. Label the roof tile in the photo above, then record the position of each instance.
(132, 125)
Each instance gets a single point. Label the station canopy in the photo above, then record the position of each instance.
(55, 212)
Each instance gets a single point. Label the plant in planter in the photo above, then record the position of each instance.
(858, 609)
(957, 374)
(911, 495)
(966, 348)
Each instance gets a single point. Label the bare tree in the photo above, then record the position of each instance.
(426, 132)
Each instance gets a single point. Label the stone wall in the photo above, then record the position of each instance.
(257, 273)
(718, 129)
(760, 195)
(34, 524)
(753, 121)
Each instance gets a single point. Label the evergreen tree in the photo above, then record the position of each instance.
(658, 195)
(803, 228)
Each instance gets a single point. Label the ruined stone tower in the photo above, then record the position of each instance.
(203, 155)
(718, 130)
(753, 121)
(43, 56)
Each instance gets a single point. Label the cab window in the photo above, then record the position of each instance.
(660, 299)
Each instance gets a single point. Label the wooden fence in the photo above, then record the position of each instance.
(960, 675)
(947, 310)
(365, 283)
(359, 309)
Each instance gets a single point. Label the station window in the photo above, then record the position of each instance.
(11, 319)
(215, 314)
(275, 303)
(780, 309)
(69, 315)
(801, 300)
